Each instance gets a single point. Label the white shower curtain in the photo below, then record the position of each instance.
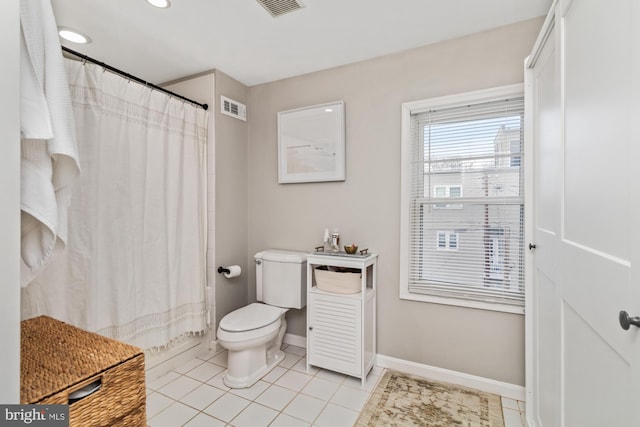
(135, 264)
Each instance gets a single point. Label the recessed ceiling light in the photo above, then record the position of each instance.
(159, 3)
(73, 35)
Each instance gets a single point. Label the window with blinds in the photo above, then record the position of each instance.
(463, 201)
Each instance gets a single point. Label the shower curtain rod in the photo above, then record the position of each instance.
(130, 77)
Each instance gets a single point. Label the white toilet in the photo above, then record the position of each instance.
(253, 334)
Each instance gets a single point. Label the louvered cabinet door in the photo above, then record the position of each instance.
(335, 333)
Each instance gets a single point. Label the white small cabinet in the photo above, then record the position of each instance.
(341, 328)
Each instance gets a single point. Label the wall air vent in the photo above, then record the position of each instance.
(280, 7)
(233, 108)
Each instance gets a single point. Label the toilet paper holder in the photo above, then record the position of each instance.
(230, 271)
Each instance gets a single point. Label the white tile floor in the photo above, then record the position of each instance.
(195, 396)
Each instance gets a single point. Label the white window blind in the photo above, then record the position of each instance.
(477, 147)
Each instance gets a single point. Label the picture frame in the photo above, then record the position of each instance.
(311, 144)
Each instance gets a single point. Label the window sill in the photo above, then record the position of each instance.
(478, 305)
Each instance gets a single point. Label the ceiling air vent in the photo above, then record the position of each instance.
(280, 7)
(233, 108)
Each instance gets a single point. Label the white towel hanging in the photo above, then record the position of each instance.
(48, 148)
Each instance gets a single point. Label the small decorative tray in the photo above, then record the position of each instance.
(361, 253)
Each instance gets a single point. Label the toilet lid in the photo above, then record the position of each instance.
(252, 316)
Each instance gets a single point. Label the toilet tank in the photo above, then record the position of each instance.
(281, 278)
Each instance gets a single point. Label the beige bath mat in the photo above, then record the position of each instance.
(406, 400)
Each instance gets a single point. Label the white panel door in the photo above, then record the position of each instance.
(547, 202)
(587, 195)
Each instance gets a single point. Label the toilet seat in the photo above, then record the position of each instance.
(251, 317)
(251, 322)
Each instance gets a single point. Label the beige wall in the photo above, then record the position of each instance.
(366, 207)
(10, 203)
(231, 198)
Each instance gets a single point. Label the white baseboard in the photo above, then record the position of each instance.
(214, 346)
(511, 391)
(508, 390)
(297, 340)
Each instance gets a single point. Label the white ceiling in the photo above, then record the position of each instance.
(240, 38)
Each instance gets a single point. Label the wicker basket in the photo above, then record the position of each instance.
(338, 282)
(59, 361)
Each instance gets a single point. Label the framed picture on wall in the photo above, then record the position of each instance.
(311, 144)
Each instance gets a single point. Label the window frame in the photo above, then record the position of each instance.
(409, 108)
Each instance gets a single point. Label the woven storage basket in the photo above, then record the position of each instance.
(338, 282)
(58, 359)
